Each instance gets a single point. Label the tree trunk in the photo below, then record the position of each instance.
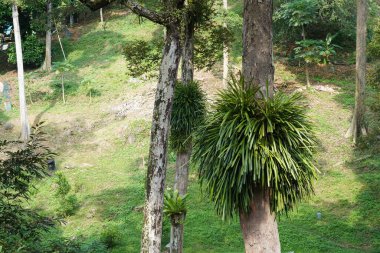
(259, 226)
(47, 63)
(25, 129)
(357, 127)
(176, 234)
(225, 51)
(156, 174)
(258, 68)
(71, 20)
(63, 90)
(101, 15)
(60, 43)
(306, 64)
(183, 158)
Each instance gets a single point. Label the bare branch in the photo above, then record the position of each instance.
(146, 13)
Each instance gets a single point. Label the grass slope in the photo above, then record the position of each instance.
(105, 157)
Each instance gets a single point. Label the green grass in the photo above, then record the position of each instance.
(107, 172)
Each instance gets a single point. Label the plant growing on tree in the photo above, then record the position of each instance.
(255, 148)
(175, 208)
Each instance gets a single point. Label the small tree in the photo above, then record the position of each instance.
(299, 14)
(21, 164)
(61, 68)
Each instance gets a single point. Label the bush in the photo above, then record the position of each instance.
(20, 165)
(68, 204)
(32, 49)
(143, 57)
(110, 237)
(373, 76)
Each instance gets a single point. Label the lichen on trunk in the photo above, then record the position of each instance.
(156, 174)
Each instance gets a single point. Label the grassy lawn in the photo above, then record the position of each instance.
(104, 157)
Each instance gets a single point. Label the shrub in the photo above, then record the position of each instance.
(374, 76)
(33, 51)
(143, 57)
(110, 237)
(67, 204)
(21, 164)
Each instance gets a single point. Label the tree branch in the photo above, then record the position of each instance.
(146, 13)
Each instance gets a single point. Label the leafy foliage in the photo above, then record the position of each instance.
(143, 57)
(110, 237)
(68, 204)
(316, 51)
(248, 142)
(298, 13)
(20, 165)
(189, 109)
(374, 75)
(174, 204)
(374, 45)
(33, 51)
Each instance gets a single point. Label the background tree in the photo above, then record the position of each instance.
(299, 13)
(47, 62)
(225, 50)
(156, 174)
(25, 129)
(357, 127)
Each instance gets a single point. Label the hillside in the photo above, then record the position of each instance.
(102, 145)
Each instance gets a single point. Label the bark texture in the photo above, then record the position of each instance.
(259, 225)
(258, 67)
(225, 51)
(25, 129)
(176, 234)
(357, 127)
(47, 63)
(156, 174)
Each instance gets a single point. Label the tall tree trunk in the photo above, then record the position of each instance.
(306, 64)
(71, 20)
(259, 226)
(258, 68)
(225, 51)
(25, 129)
(101, 15)
(357, 127)
(47, 63)
(183, 157)
(156, 174)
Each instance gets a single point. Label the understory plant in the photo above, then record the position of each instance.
(21, 165)
(67, 203)
(250, 143)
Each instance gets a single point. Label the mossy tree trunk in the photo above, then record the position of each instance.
(183, 156)
(157, 164)
(258, 224)
(357, 127)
